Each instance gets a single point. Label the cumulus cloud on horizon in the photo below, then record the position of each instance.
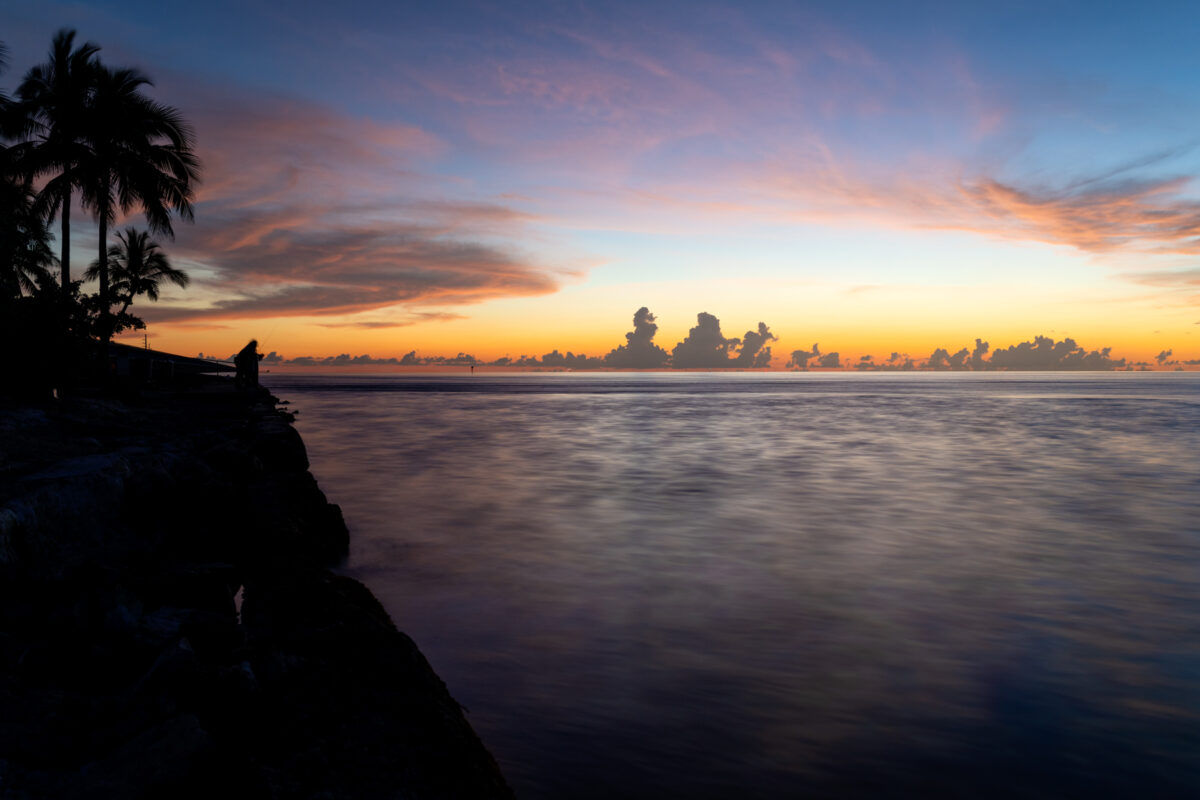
(705, 347)
(801, 358)
(639, 350)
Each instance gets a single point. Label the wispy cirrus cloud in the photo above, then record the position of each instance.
(1174, 287)
(306, 211)
(413, 318)
(674, 127)
(1148, 214)
(1101, 215)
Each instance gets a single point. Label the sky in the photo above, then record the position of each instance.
(510, 178)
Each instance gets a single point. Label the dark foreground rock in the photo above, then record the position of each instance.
(130, 534)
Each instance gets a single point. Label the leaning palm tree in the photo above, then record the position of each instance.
(138, 266)
(54, 98)
(139, 156)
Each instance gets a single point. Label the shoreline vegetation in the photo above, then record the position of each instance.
(79, 132)
(171, 624)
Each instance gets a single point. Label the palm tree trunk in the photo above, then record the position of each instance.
(65, 243)
(105, 317)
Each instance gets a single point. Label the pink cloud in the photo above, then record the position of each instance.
(304, 211)
(1144, 214)
(1107, 212)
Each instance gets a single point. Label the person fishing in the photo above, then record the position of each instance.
(246, 363)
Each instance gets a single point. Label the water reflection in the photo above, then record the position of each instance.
(770, 585)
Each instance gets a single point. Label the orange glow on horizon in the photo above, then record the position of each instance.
(294, 338)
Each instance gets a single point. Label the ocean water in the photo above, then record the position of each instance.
(782, 585)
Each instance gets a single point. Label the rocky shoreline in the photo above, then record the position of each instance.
(170, 625)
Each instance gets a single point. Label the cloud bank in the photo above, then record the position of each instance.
(706, 347)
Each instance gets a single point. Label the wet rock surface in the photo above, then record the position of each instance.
(127, 530)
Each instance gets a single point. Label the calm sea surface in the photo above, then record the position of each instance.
(780, 585)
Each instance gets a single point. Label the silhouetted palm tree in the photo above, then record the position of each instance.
(140, 156)
(138, 266)
(25, 255)
(54, 98)
(6, 102)
(7, 106)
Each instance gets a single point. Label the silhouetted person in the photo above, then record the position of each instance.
(246, 362)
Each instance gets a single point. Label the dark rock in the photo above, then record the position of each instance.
(278, 446)
(160, 762)
(175, 671)
(203, 586)
(125, 670)
(379, 711)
